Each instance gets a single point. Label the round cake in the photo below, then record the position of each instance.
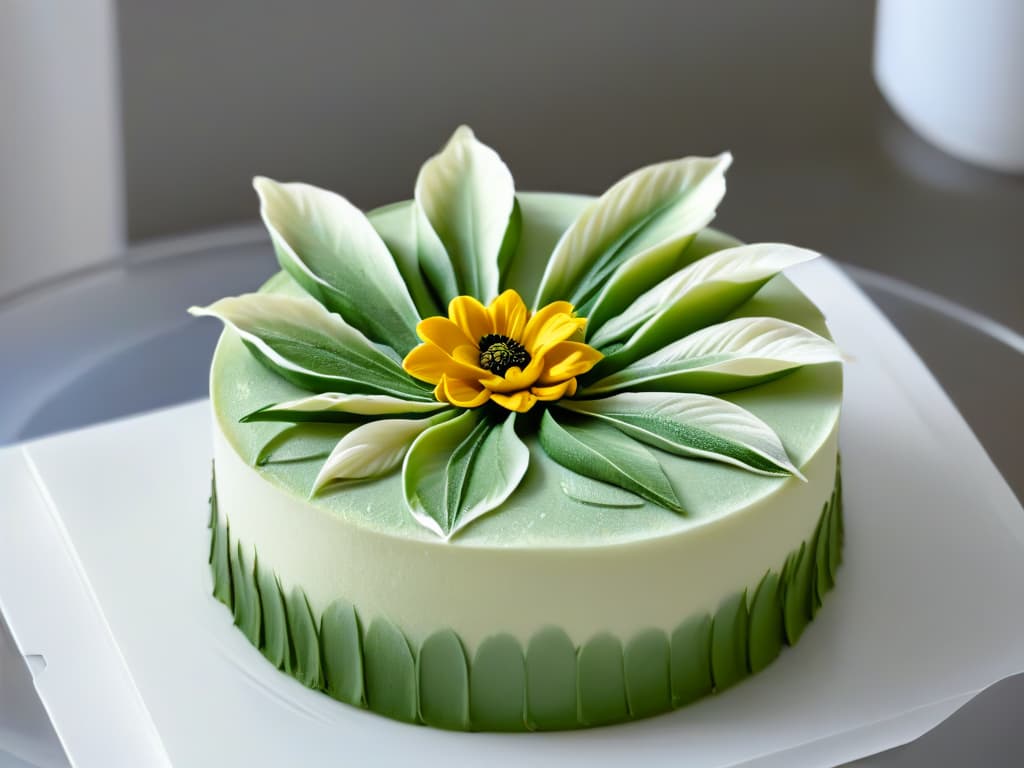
(499, 461)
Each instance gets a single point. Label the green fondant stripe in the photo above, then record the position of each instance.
(341, 648)
(729, 631)
(551, 681)
(766, 632)
(390, 672)
(305, 641)
(691, 660)
(248, 616)
(602, 683)
(497, 691)
(443, 679)
(555, 685)
(275, 620)
(646, 664)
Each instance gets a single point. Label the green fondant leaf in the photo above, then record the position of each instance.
(301, 442)
(729, 631)
(551, 681)
(510, 243)
(646, 661)
(834, 543)
(305, 643)
(390, 672)
(248, 617)
(330, 248)
(341, 647)
(691, 660)
(274, 643)
(220, 563)
(694, 297)
(655, 209)
(605, 454)
(824, 577)
(444, 682)
(798, 593)
(462, 469)
(644, 271)
(312, 348)
(602, 682)
(468, 196)
(818, 553)
(597, 494)
(497, 693)
(697, 426)
(724, 357)
(337, 407)
(396, 225)
(766, 631)
(374, 448)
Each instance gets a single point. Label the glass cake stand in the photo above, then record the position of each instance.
(115, 340)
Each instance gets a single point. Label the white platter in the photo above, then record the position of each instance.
(103, 581)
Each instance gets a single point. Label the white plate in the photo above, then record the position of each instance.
(104, 577)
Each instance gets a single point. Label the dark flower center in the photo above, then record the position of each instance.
(499, 353)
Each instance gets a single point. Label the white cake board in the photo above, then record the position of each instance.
(104, 583)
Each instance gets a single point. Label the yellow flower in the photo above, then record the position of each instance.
(501, 353)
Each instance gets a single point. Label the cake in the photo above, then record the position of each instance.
(487, 460)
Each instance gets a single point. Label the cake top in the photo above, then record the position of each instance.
(621, 363)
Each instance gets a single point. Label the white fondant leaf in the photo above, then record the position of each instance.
(311, 347)
(467, 194)
(731, 355)
(651, 215)
(335, 406)
(693, 425)
(463, 469)
(702, 293)
(330, 248)
(600, 452)
(373, 449)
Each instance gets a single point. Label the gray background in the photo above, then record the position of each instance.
(355, 95)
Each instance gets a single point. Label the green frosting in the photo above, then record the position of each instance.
(554, 685)
(341, 647)
(443, 681)
(498, 686)
(801, 408)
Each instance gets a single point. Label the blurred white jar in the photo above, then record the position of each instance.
(954, 71)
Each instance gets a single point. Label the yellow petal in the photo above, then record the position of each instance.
(515, 378)
(568, 359)
(471, 316)
(555, 391)
(429, 363)
(520, 402)
(442, 332)
(462, 393)
(540, 318)
(556, 330)
(508, 313)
